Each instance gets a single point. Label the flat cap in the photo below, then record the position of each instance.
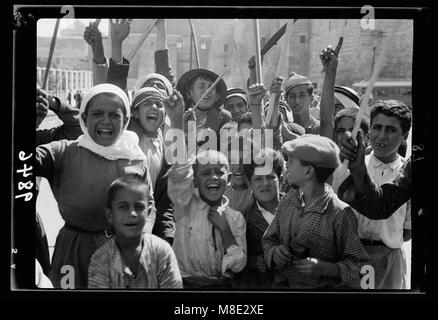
(317, 150)
(295, 80)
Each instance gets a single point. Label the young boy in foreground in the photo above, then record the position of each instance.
(312, 241)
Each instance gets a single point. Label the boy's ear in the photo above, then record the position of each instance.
(84, 117)
(109, 216)
(309, 172)
(134, 113)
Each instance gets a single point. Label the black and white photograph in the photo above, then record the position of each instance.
(256, 151)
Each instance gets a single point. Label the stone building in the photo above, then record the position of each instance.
(230, 42)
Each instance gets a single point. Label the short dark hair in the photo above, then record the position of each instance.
(393, 108)
(198, 76)
(126, 181)
(352, 113)
(277, 163)
(322, 174)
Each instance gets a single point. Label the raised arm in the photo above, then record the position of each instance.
(362, 193)
(118, 67)
(99, 62)
(69, 130)
(162, 65)
(329, 59)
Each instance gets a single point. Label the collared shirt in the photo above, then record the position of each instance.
(390, 230)
(153, 148)
(265, 213)
(325, 229)
(197, 244)
(158, 267)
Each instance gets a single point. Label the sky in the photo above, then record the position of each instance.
(45, 27)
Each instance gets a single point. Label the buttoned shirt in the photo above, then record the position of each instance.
(197, 244)
(390, 230)
(325, 229)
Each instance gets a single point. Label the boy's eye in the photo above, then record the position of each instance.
(139, 207)
(122, 206)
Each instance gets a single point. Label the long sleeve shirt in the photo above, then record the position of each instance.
(326, 229)
(379, 202)
(197, 244)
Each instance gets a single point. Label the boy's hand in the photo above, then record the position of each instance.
(120, 29)
(256, 93)
(276, 86)
(281, 256)
(252, 63)
(92, 35)
(354, 153)
(329, 57)
(174, 105)
(314, 267)
(217, 218)
(261, 264)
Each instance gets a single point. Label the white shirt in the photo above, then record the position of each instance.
(153, 149)
(198, 249)
(265, 213)
(390, 230)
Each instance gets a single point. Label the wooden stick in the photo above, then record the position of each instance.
(52, 48)
(198, 64)
(273, 96)
(211, 88)
(258, 56)
(141, 40)
(373, 79)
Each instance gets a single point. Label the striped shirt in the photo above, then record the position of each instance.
(326, 230)
(158, 267)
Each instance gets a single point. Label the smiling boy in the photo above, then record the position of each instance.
(210, 242)
(209, 113)
(132, 258)
(298, 93)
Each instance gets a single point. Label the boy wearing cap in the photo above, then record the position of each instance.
(236, 103)
(312, 241)
(299, 90)
(209, 112)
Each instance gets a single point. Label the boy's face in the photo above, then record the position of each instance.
(128, 212)
(299, 99)
(296, 172)
(386, 135)
(150, 115)
(199, 87)
(345, 124)
(237, 106)
(338, 106)
(265, 187)
(211, 180)
(157, 84)
(105, 119)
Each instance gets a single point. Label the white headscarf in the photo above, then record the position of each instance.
(126, 144)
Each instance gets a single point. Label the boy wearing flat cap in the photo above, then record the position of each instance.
(298, 93)
(209, 113)
(313, 243)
